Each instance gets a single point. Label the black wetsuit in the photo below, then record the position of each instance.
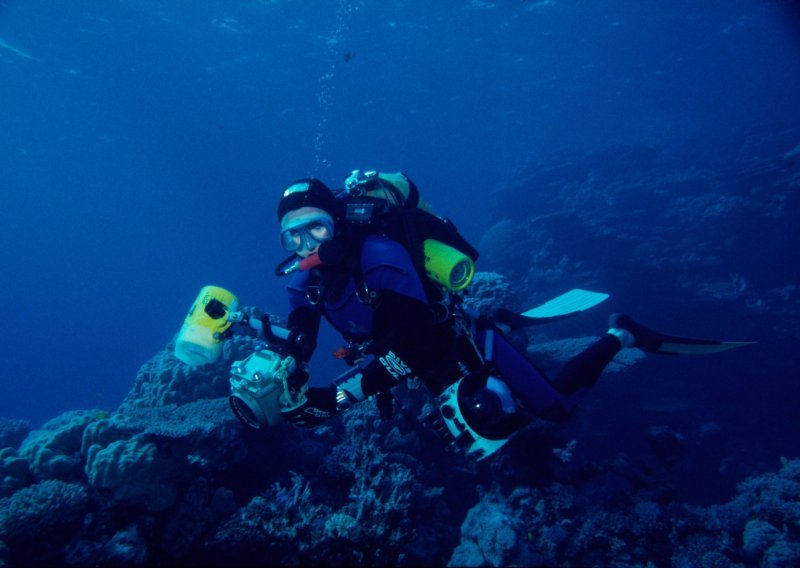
(382, 304)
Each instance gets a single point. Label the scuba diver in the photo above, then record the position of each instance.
(386, 272)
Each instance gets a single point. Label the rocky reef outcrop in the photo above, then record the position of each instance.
(171, 477)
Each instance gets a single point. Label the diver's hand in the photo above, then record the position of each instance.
(315, 406)
(295, 386)
(299, 379)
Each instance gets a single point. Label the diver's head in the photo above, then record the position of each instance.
(304, 229)
(307, 212)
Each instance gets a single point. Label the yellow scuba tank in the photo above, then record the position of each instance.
(200, 339)
(448, 266)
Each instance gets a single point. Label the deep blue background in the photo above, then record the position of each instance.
(143, 144)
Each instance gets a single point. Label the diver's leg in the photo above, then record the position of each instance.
(633, 334)
(583, 370)
(556, 398)
(525, 380)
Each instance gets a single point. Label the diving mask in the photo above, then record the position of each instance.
(306, 232)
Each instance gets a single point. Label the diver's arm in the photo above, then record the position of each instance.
(316, 404)
(303, 324)
(303, 320)
(402, 335)
(403, 342)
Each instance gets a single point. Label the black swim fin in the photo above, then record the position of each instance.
(652, 341)
(673, 345)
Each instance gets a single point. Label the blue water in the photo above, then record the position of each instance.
(143, 144)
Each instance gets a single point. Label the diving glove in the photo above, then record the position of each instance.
(313, 406)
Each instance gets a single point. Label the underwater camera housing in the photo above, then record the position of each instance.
(257, 384)
(477, 415)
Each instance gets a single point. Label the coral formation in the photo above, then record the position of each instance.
(164, 380)
(171, 477)
(53, 452)
(489, 291)
(185, 483)
(14, 472)
(41, 510)
(133, 472)
(12, 432)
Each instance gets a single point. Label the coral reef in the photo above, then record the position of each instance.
(185, 483)
(610, 519)
(489, 291)
(489, 535)
(14, 472)
(164, 380)
(126, 548)
(171, 477)
(53, 452)
(133, 472)
(37, 521)
(12, 432)
(675, 224)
